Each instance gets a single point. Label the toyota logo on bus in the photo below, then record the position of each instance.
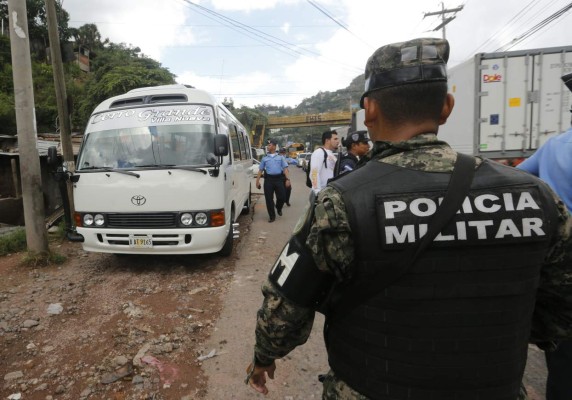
(138, 200)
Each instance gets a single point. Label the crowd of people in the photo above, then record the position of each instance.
(434, 269)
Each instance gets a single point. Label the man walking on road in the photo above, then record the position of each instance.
(552, 163)
(323, 161)
(276, 179)
(434, 269)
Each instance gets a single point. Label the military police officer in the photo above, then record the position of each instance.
(452, 321)
(357, 144)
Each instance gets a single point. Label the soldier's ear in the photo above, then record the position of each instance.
(448, 106)
(371, 112)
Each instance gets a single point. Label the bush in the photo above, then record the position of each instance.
(13, 242)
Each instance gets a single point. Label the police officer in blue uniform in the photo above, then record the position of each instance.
(276, 178)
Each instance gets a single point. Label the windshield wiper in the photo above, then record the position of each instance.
(173, 166)
(109, 169)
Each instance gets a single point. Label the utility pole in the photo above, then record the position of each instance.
(34, 213)
(444, 20)
(61, 95)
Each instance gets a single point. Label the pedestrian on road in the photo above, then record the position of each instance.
(323, 161)
(287, 182)
(552, 162)
(357, 144)
(276, 178)
(436, 264)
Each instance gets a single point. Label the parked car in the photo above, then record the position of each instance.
(305, 161)
(300, 159)
(258, 153)
(254, 168)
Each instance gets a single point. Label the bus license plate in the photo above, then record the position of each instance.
(141, 242)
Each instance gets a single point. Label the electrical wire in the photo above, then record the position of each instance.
(327, 14)
(536, 28)
(258, 35)
(506, 26)
(342, 25)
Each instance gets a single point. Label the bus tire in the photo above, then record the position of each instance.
(228, 243)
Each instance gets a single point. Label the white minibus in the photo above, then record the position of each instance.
(162, 170)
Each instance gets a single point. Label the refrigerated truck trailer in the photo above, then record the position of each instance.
(508, 104)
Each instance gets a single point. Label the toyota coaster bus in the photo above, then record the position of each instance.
(161, 170)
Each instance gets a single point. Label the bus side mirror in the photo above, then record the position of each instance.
(221, 145)
(52, 157)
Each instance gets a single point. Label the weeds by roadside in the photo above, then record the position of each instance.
(43, 259)
(13, 242)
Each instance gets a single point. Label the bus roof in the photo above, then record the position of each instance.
(157, 95)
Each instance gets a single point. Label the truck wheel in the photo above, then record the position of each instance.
(247, 204)
(227, 248)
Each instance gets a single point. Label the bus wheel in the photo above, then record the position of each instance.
(227, 248)
(247, 204)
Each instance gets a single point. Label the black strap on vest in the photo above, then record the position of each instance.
(353, 295)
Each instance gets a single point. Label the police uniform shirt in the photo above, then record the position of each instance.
(273, 164)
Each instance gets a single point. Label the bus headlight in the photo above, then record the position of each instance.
(99, 220)
(186, 219)
(201, 218)
(88, 220)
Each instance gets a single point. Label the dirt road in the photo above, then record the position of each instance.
(133, 327)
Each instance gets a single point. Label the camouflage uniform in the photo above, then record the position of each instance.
(282, 325)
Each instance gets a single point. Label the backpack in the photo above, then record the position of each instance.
(308, 180)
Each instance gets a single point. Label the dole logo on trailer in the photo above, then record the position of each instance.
(492, 78)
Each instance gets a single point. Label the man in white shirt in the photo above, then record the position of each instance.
(323, 161)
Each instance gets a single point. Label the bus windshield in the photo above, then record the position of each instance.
(148, 146)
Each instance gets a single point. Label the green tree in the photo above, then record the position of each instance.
(38, 27)
(249, 117)
(117, 69)
(87, 36)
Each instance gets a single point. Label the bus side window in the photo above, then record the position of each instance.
(244, 146)
(234, 142)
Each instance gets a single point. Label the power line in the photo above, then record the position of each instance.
(256, 34)
(327, 14)
(342, 25)
(518, 15)
(536, 28)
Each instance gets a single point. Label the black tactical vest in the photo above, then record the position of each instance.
(456, 325)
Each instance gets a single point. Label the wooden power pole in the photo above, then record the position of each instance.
(444, 20)
(33, 199)
(61, 95)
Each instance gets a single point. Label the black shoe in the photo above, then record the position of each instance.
(272, 220)
(288, 204)
(279, 212)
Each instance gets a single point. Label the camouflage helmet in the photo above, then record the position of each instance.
(414, 61)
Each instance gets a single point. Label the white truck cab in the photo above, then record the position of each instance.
(162, 170)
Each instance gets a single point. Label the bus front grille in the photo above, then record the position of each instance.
(147, 220)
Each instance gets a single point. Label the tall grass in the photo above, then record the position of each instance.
(13, 242)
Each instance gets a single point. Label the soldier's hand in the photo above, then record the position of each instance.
(257, 376)
(258, 185)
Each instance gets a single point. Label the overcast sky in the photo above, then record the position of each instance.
(281, 51)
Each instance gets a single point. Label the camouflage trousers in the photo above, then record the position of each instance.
(336, 389)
